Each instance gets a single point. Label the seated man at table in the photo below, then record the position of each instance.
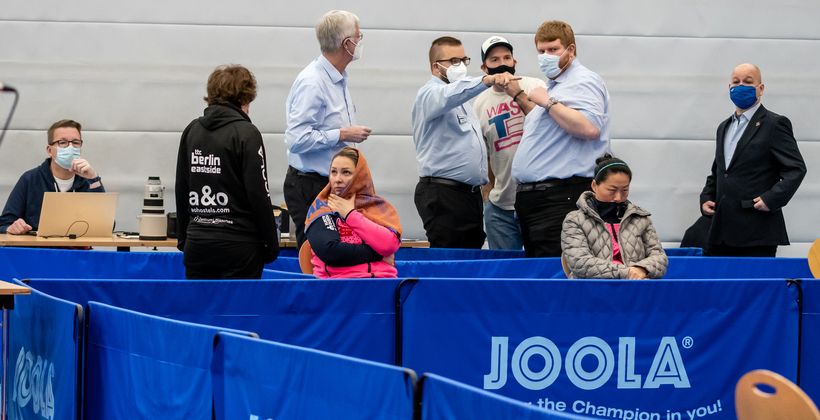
(63, 170)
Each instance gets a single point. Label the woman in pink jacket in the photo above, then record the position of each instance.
(353, 233)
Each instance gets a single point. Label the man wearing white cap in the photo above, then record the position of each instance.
(501, 114)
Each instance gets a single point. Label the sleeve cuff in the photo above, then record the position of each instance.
(333, 136)
(95, 183)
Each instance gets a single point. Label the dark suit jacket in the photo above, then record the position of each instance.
(766, 163)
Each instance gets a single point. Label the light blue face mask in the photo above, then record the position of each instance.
(549, 64)
(66, 155)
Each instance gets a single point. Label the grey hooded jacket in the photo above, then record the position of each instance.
(587, 245)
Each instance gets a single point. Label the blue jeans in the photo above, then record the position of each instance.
(503, 230)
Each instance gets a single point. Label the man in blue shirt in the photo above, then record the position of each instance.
(452, 158)
(562, 137)
(63, 170)
(321, 118)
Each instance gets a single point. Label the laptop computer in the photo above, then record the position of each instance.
(84, 214)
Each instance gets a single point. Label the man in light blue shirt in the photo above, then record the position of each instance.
(321, 117)
(562, 137)
(450, 151)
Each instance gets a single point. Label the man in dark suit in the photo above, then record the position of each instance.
(756, 171)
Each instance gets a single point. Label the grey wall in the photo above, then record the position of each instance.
(134, 74)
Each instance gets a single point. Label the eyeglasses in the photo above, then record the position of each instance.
(456, 60)
(360, 37)
(63, 143)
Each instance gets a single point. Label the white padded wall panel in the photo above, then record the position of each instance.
(134, 74)
(795, 19)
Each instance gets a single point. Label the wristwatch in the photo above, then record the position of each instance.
(552, 101)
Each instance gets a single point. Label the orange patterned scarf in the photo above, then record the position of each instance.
(367, 202)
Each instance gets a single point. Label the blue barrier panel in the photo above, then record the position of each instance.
(260, 379)
(288, 253)
(277, 274)
(435, 254)
(680, 267)
(431, 254)
(518, 268)
(24, 263)
(736, 268)
(684, 252)
(43, 359)
(661, 349)
(445, 399)
(809, 360)
(285, 264)
(140, 366)
(351, 317)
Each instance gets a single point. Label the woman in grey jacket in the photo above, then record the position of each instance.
(609, 237)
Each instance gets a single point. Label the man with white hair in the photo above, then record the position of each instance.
(321, 117)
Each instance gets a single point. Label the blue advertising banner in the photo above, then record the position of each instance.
(661, 350)
(737, 268)
(351, 317)
(140, 366)
(22, 263)
(446, 399)
(257, 379)
(43, 358)
(809, 361)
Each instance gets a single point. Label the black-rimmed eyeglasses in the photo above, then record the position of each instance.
(63, 143)
(456, 60)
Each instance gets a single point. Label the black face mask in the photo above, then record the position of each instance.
(611, 212)
(500, 69)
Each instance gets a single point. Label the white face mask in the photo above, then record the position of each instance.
(456, 72)
(357, 50)
(549, 64)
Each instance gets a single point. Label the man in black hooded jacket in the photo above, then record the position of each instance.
(224, 215)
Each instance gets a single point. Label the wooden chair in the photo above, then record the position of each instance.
(566, 267)
(814, 259)
(305, 256)
(787, 401)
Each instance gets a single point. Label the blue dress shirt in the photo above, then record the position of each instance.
(318, 105)
(446, 131)
(546, 150)
(734, 130)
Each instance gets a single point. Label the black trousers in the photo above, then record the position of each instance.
(300, 190)
(741, 251)
(541, 214)
(453, 216)
(214, 259)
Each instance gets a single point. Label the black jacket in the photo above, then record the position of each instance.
(222, 184)
(767, 163)
(26, 199)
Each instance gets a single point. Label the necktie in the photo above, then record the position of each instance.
(733, 134)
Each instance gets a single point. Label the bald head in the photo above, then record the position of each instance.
(748, 76)
(745, 71)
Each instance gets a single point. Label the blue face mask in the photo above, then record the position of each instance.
(549, 64)
(743, 96)
(66, 155)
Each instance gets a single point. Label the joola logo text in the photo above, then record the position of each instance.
(667, 365)
(33, 378)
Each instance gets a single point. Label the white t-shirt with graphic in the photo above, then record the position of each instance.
(502, 123)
